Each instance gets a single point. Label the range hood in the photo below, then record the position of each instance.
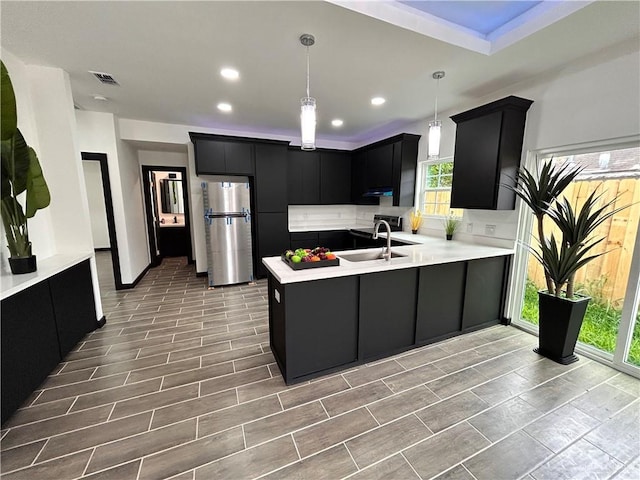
(379, 192)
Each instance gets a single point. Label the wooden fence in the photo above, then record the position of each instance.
(604, 278)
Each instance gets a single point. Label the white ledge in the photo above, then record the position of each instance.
(11, 284)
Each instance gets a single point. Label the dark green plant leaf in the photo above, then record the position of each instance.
(8, 115)
(38, 195)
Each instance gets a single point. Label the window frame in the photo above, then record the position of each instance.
(423, 165)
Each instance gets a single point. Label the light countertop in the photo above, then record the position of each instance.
(11, 284)
(426, 251)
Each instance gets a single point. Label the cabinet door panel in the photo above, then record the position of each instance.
(321, 325)
(273, 237)
(335, 178)
(440, 296)
(209, 157)
(29, 344)
(239, 158)
(271, 178)
(387, 312)
(304, 240)
(304, 177)
(73, 304)
(380, 167)
(338, 240)
(475, 169)
(483, 292)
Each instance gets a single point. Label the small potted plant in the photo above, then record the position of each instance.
(451, 224)
(21, 174)
(561, 310)
(415, 219)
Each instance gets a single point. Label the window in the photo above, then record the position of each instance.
(435, 188)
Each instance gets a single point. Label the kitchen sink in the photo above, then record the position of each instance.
(368, 256)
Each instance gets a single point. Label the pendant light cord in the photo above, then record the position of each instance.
(307, 71)
(437, 89)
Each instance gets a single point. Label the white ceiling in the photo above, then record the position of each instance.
(167, 56)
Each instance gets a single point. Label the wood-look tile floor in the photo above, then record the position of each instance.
(180, 383)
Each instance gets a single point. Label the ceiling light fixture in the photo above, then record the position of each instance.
(377, 101)
(308, 105)
(100, 98)
(230, 73)
(225, 107)
(337, 122)
(435, 126)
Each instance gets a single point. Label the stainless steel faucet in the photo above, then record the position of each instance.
(386, 254)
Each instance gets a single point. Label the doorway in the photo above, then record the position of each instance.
(166, 201)
(97, 165)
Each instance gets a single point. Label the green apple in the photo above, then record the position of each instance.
(296, 259)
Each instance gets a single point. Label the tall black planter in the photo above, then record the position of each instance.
(560, 321)
(21, 265)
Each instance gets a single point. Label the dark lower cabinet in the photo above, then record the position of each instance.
(173, 241)
(321, 326)
(440, 297)
(40, 325)
(334, 240)
(387, 312)
(484, 292)
(29, 345)
(74, 307)
(272, 238)
(303, 240)
(313, 325)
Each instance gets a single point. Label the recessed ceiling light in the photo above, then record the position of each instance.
(337, 122)
(230, 73)
(225, 107)
(377, 101)
(100, 98)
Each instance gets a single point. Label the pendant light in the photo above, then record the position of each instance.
(435, 125)
(308, 105)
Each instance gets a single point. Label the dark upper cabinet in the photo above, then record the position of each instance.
(335, 177)
(218, 155)
(487, 154)
(359, 167)
(390, 163)
(271, 177)
(303, 181)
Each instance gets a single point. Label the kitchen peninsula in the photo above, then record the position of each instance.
(326, 319)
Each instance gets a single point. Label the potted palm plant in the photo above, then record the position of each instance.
(451, 224)
(561, 309)
(21, 178)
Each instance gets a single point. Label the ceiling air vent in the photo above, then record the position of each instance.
(104, 78)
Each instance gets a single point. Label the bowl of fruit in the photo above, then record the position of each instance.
(303, 258)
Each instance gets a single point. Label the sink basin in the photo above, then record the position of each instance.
(368, 256)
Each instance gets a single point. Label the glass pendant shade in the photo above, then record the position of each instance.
(308, 123)
(434, 139)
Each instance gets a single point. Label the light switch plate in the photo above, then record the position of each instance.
(470, 227)
(489, 229)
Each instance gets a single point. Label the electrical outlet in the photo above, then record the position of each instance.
(489, 229)
(470, 227)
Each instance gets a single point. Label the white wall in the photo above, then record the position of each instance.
(46, 118)
(97, 133)
(97, 208)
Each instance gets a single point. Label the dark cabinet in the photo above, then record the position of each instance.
(387, 312)
(271, 177)
(313, 326)
(173, 241)
(303, 177)
(218, 156)
(74, 307)
(29, 344)
(390, 163)
(440, 297)
(319, 177)
(487, 154)
(335, 178)
(273, 237)
(334, 240)
(40, 325)
(484, 292)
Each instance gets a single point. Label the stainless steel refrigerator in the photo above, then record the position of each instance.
(228, 232)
